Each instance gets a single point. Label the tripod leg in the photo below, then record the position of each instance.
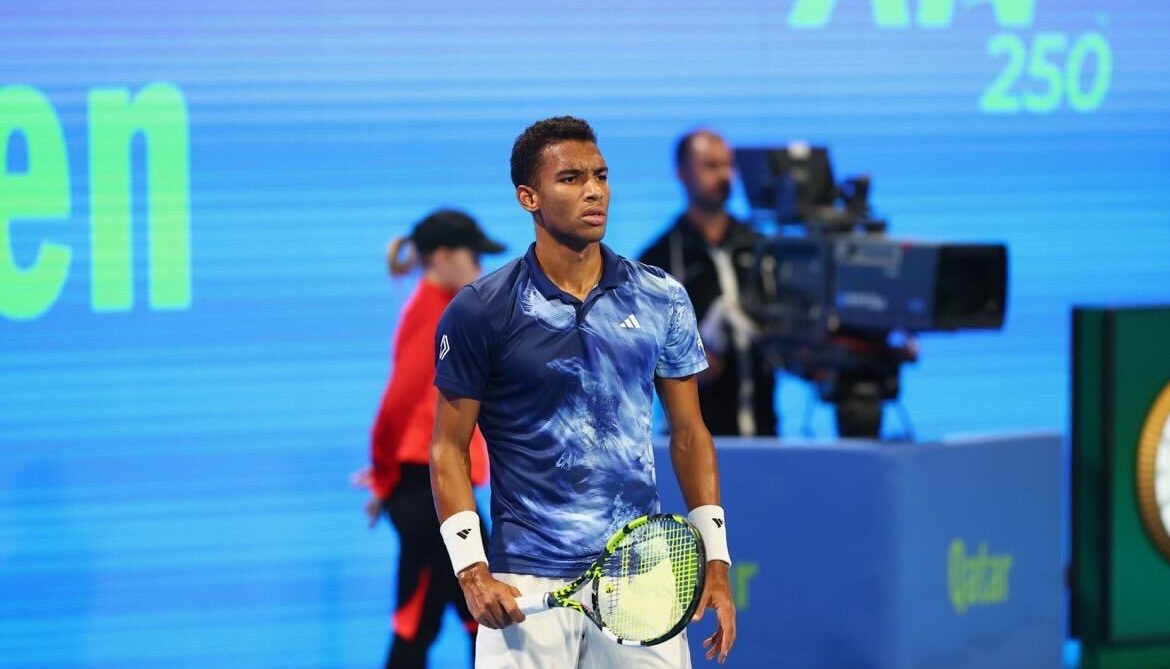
(859, 417)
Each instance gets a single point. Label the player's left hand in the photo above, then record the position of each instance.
(717, 596)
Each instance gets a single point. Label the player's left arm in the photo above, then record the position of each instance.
(692, 452)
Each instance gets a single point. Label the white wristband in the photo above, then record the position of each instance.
(464, 541)
(710, 521)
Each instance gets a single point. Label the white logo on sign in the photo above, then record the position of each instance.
(444, 347)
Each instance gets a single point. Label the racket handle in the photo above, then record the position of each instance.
(530, 604)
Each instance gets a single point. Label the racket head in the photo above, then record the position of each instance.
(648, 581)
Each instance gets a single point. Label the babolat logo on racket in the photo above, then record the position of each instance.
(463, 533)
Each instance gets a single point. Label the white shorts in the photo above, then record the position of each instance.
(563, 638)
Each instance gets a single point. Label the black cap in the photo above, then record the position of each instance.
(452, 229)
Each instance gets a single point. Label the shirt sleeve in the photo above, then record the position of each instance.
(682, 352)
(463, 346)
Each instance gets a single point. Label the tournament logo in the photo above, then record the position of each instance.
(1038, 72)
(38, 189)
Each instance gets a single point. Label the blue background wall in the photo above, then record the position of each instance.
(173, 481)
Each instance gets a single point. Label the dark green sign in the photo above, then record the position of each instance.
(1121, 572)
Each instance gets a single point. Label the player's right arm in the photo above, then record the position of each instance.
(455, 419)
(491, 602)
(464, 342)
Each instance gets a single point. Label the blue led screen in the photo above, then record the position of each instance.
(195, 202)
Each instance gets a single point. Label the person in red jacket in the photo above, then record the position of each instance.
(448, 245)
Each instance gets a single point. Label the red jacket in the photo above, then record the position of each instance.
(406, 419)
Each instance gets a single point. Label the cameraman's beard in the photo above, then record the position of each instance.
(716, 201)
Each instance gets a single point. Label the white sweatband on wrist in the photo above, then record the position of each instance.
(464, 541)
(712, 527)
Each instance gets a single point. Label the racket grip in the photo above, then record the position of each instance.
(530, 604)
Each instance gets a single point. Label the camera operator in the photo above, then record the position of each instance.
(711, 254)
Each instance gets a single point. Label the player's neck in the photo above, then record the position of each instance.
(711, 224)
(574, 271)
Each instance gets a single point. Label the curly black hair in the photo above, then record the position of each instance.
(529, 145)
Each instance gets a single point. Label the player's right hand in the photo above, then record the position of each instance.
(492, 602)
(717, 596)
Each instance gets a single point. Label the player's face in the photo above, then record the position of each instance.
(708, 171)
(571, 194)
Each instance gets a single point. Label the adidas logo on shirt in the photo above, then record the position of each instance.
(631, 322)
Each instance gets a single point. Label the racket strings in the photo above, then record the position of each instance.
(649, 580)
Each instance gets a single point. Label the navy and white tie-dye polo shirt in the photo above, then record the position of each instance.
(565, 388)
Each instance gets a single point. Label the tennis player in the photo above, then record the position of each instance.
(556, 355)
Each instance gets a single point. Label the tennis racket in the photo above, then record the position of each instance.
(646, 583)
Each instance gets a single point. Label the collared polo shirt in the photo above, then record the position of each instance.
(566, 388)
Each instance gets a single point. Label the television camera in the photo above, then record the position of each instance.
(837, 301)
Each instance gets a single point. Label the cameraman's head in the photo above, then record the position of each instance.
(705, 165)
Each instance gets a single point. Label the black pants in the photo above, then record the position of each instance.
(426, 583)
